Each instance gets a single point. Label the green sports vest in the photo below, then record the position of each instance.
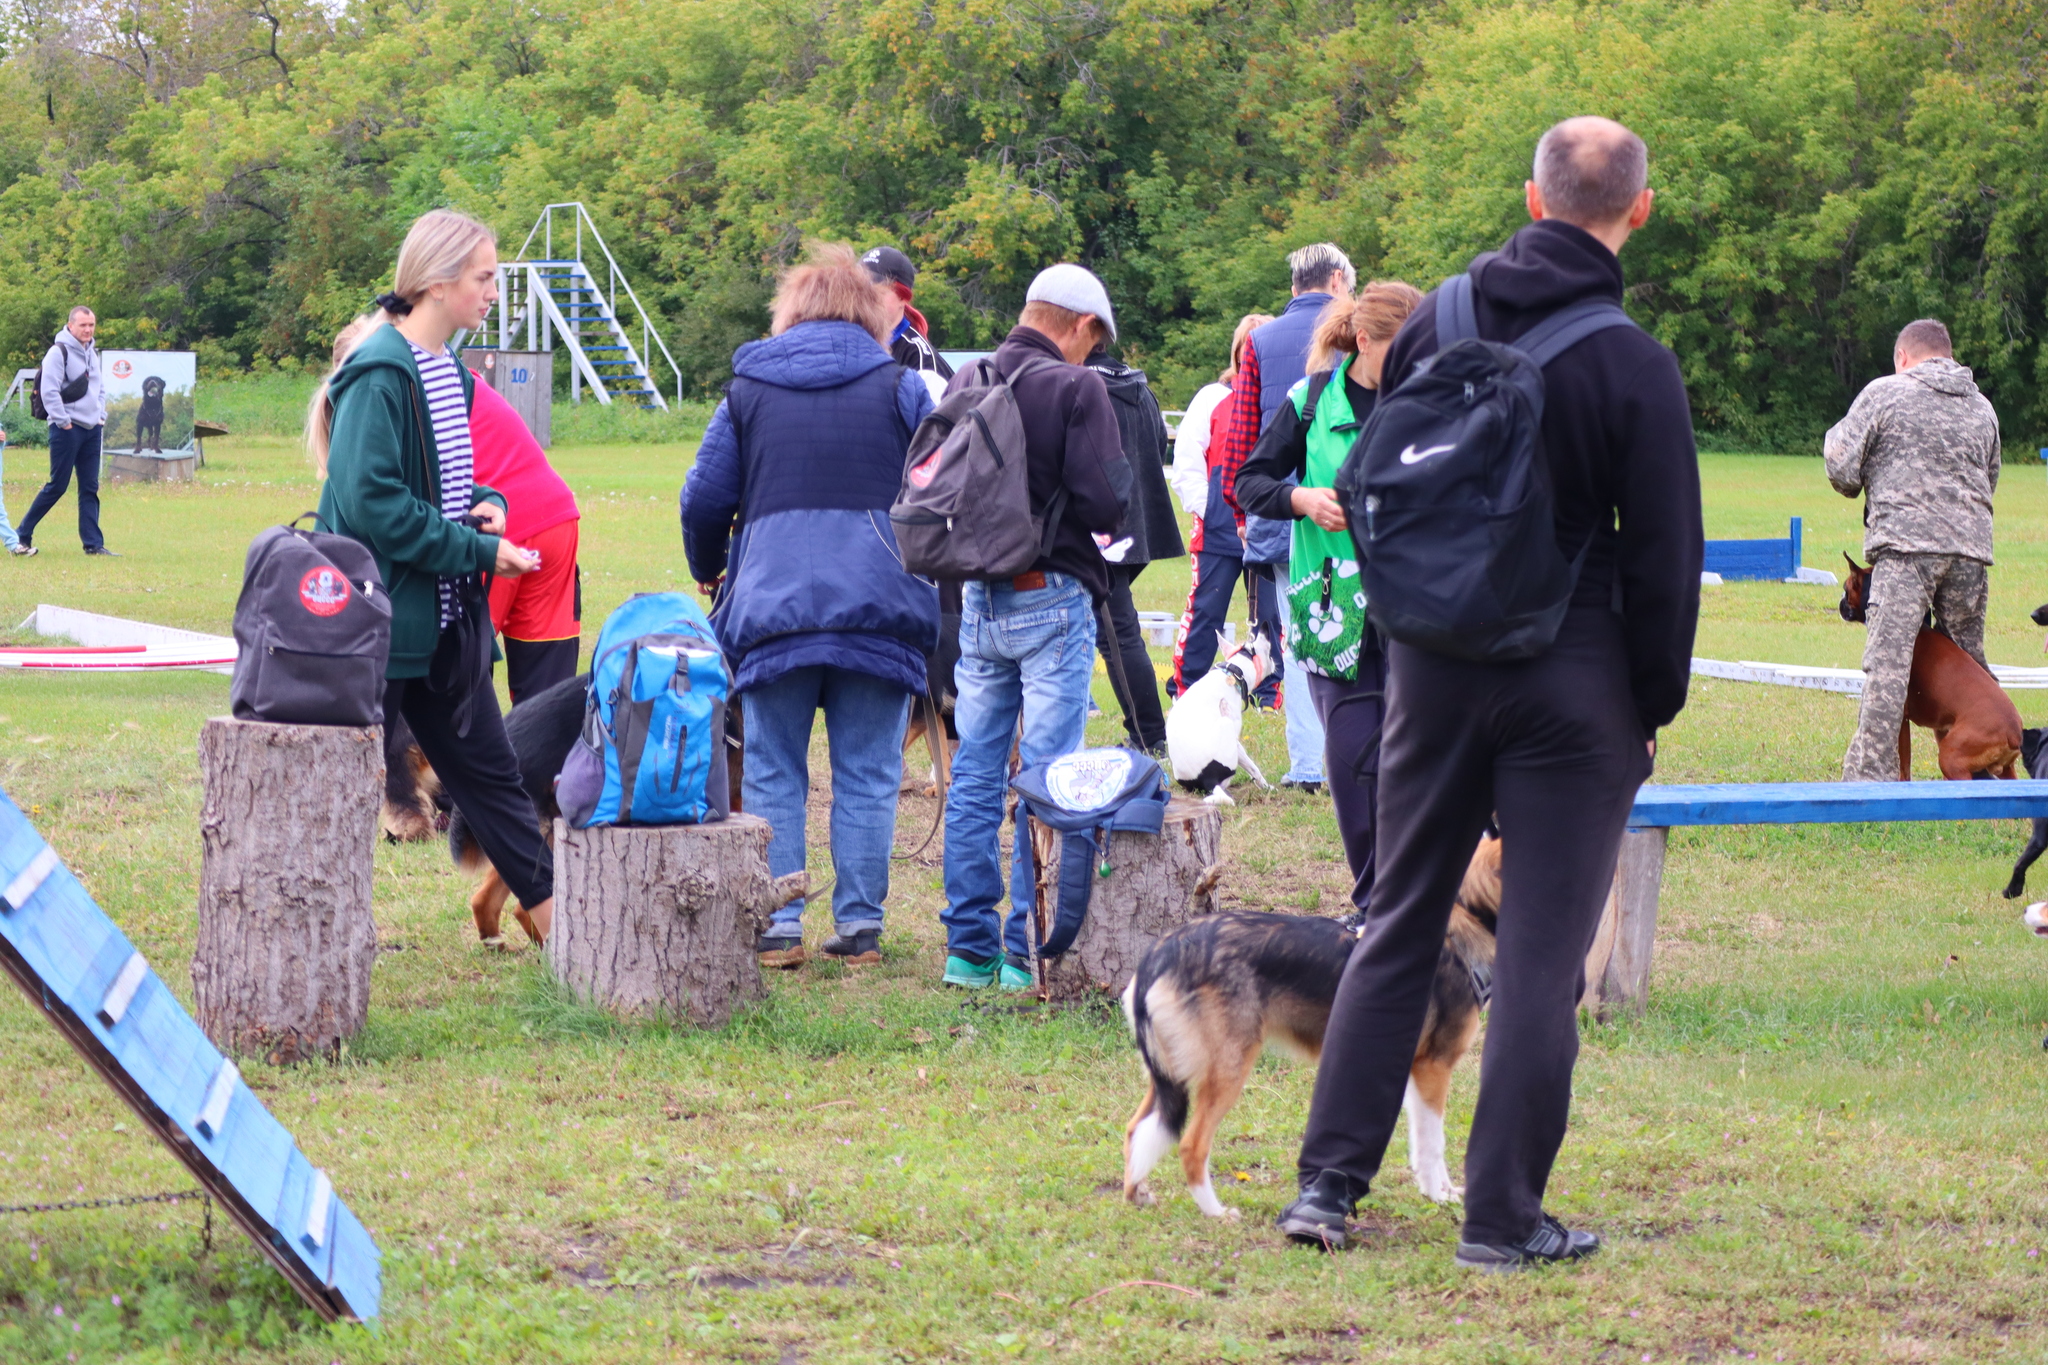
(1325, 599)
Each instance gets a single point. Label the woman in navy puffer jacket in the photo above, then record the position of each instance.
(790, 497)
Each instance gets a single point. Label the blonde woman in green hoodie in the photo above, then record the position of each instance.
(390, 429)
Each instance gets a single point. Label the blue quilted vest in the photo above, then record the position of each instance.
(1282, 346)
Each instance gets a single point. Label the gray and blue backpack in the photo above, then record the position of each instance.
(652, 751)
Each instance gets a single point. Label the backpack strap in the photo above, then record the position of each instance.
(1316, 384)
(1455, 319)
(1567, 327)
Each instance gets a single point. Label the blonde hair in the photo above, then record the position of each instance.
(1375, 315)
(1246, 325)
(833, 286)
(320, 412)
(436, 248)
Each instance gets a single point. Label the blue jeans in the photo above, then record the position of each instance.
(76, 450)
(1028, 652)
(1304, 725)
(8, 540)
(864, 720)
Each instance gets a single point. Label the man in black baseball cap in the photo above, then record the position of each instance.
(911, 346)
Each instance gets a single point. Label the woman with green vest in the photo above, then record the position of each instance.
(390, 431)
(1289, 475)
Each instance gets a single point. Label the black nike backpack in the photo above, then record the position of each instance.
(1449, 495)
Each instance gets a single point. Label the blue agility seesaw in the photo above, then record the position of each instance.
(84, 974)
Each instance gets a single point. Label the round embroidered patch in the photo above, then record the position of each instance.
(324, 592)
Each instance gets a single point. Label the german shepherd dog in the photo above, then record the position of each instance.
(149, 417)
(415, 808)
(1209, 995)
(542, 729)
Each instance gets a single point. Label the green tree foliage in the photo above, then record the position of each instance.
(235, 174)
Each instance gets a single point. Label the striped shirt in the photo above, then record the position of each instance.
(450, 416)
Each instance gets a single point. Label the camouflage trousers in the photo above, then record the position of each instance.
(1902, 590)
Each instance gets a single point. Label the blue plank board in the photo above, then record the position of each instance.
(1807, 803)
(64, 952)
(1755, 558)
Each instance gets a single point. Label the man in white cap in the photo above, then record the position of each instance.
(1027, 644)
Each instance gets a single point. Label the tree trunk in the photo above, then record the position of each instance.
(661, 920)
(287, 834)
(1155, 882)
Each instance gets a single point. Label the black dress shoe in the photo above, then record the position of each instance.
(1551, 1242)
(1318, 1214)
(101, 550)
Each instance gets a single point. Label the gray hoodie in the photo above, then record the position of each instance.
(1923, 447)
(66, 360)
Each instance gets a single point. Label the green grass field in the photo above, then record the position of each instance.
(1819, 1145)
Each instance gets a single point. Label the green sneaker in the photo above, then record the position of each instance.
(1014, 978)
(962, 971)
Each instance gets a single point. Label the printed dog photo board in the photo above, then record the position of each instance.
(149, 401)
(77, 967)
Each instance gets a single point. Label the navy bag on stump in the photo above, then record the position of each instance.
(652, 751)
(1449, 495)
(313, 628)
(1084, 795)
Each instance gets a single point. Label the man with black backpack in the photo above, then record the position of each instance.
(68, 392)
(1151, 532)
(1027, 640)
(1528, 514)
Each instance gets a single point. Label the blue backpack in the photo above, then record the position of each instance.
(1086, 795)
(652, 751)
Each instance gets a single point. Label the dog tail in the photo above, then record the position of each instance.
(1169, 1095)
(462, 845)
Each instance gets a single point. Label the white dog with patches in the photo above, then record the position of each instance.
(1205, 728)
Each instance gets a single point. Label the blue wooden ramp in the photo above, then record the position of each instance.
(85, 975)
(1834, 803)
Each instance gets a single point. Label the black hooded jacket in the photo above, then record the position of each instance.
(1617, 431)
(1150, 522)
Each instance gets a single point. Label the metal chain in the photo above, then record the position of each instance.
(121, 1202)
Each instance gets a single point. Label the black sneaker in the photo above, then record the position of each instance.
(1310, 788)
(1317, 1215)
(858, 950)
(781, 954)
(1551, 1242)
(101, 550)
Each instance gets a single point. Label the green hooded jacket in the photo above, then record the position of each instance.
(384, 489)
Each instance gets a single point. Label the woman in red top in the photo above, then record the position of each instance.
(540, 614)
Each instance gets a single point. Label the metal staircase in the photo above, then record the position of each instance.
(572, 292)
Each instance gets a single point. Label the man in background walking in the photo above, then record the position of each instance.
(1274, 361)
(77, 409)
(1921, 445)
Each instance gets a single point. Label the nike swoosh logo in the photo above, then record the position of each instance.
(1413, 456)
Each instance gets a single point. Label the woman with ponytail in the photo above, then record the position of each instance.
(1343, 656)
(390, 430)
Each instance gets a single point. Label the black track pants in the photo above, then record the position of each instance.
(1144, 718)
(481, 775)
(1552, 747)
(1352, 713)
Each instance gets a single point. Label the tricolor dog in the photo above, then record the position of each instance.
(1211, 994)
(1205, 728)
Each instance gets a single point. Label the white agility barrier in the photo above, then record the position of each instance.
(1845, 680)
(114, 644)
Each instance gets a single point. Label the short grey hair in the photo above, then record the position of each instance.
(1590, 170)
(76, 309)
(1926, 338)
(1313, 266)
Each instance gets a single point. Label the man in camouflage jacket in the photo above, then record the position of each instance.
(1922, 446)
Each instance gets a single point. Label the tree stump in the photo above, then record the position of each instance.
(661, 920)
(1156, 882)
(287, 835)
